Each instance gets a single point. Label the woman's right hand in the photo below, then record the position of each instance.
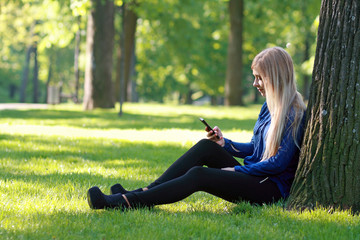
(212, 135)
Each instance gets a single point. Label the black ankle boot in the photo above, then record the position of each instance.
(98, 200)
(117, 188)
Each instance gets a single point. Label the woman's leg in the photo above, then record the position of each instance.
(205, 152)
(231, 186)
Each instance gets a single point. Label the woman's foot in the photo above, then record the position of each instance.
(117, 188)
(98, 200)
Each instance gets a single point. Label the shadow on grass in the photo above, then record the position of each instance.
(110, 120)
(54, 161)
(85, 149)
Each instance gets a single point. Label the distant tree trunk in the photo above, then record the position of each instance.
(129, 48)
(12, 90)
(329, 166)
(132, 78)
(25, 75)
(76, 61)
(233, 82)
(119, 55)
(256, 95)
(48, 79)
(121, 71)
(98, 92)
(307, 22)
(35, 76)
(188, 94)
(306, 78)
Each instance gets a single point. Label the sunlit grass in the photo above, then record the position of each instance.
(136, 116)
(48, 161)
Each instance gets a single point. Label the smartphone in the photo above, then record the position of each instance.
(208, 126)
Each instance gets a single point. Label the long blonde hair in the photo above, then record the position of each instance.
(275, 66)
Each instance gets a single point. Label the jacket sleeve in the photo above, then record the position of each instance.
(275, 164)
(236, 149)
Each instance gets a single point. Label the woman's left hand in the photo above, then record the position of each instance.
(215, 136)
(231, 169)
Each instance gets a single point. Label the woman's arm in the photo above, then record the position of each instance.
(234, 148)
(237, 149)
(276, 164)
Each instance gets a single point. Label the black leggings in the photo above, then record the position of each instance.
(187, 175)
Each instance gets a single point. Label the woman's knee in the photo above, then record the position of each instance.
(206, 142)
(196, 171)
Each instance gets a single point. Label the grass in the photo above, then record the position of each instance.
(49, 158)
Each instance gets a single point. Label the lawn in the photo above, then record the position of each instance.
(49, 158)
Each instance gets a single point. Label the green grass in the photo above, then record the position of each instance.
(49, 158)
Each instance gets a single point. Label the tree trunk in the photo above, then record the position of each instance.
(76, 62)
(98, 92)
(121, 71)
(233, 82)
(25, 75)
(119, 56)
(129, 49)
(188, 94)
(35, 76)
(48, 78)
(329, 166)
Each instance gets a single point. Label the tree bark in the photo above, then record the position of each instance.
(98, 92)
(329, 165)
(76, 62)
(120, 72)
(306, 78)
(25, 75)
(129, 49)
(35, 76)
(119, 55)
(48, 78)
(233, 82)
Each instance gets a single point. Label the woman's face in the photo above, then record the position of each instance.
(259, 83)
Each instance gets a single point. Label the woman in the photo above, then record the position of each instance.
(270, 159)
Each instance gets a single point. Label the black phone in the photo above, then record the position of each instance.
(208, 126)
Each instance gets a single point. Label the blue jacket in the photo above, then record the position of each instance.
(280, 168)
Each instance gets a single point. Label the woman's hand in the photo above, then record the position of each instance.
(212, 135)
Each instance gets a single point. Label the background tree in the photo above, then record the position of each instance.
(233, 82)
(126, 53)
(25, 74)
(98, 91)
(328, 171)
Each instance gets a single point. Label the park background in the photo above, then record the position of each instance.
(165, 51)
(51, 155)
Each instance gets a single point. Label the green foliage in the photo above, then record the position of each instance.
(181, 46)
(185, 48)
(48, 161)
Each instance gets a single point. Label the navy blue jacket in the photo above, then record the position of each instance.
(280, 168)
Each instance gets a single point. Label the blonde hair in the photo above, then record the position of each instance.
(276, 68)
